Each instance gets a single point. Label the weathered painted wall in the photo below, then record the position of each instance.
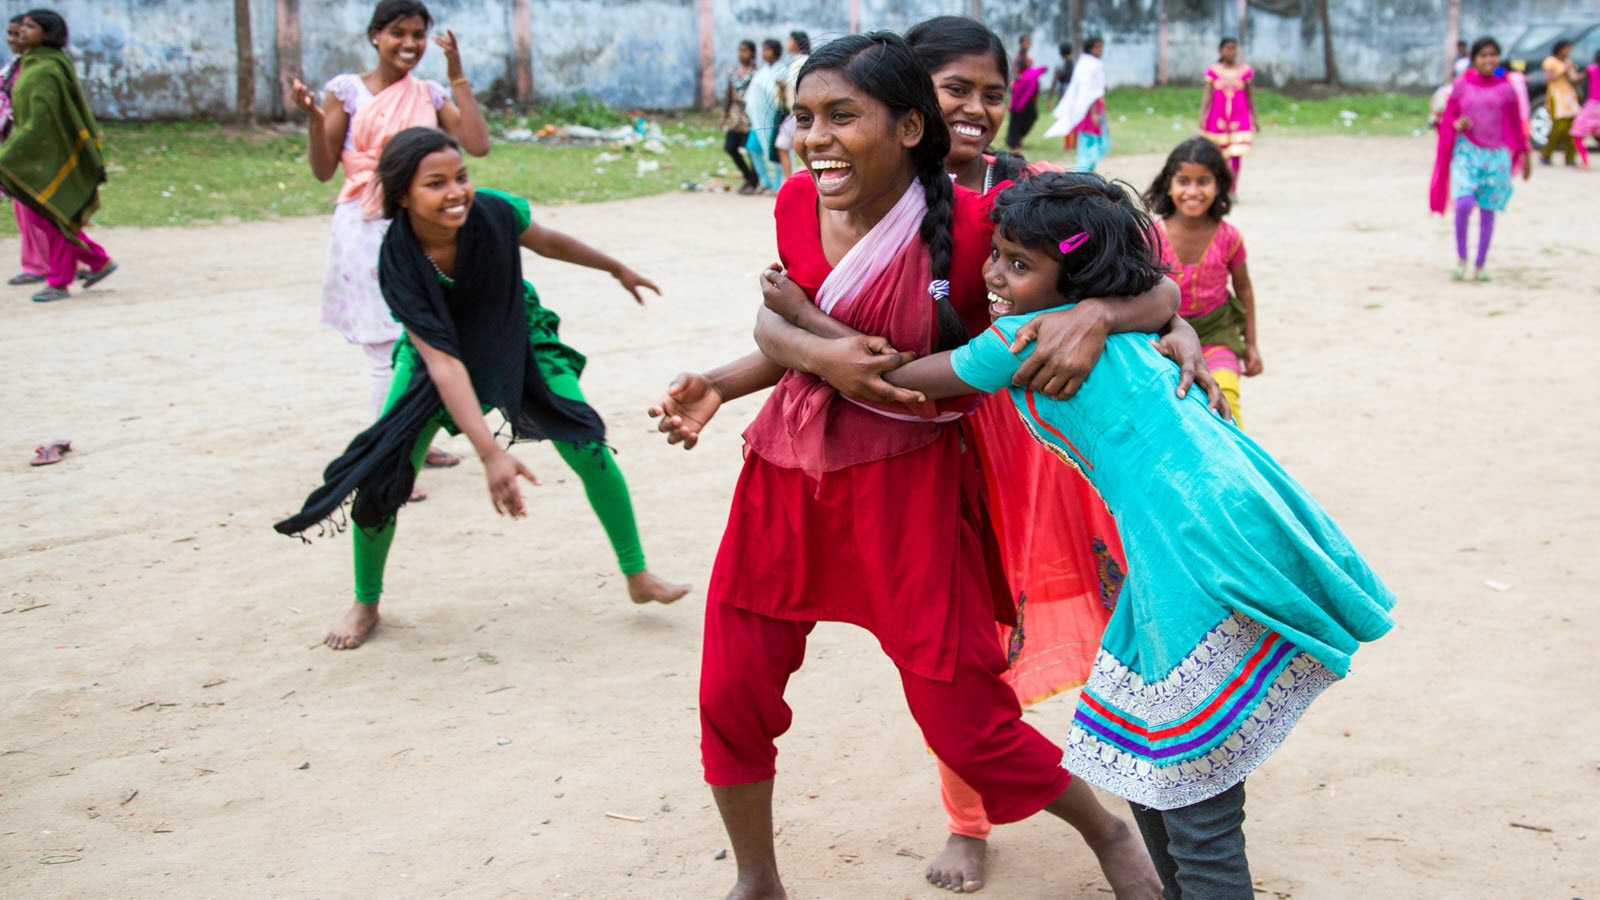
(171, 58)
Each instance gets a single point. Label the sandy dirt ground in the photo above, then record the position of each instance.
(172, 725)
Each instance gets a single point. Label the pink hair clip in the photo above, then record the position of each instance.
(1074, 242)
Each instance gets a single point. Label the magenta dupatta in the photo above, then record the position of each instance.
(1508, 131)
(1025, 88)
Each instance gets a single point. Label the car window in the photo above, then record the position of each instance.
(1536, 42)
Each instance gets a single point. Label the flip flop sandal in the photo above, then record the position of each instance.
(51, 293)
(440, 459)
(22, 278)
(417, 496)
(94, 278)
(49, 454)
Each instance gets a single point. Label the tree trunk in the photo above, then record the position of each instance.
(288, 15)
(1452, 34)
(246, 64)
(1244, 13)
(1161, 47)
(977, 9)
(855, 16)
(522, 51)
(1075, 19)
(1330, 67)
(708, 56)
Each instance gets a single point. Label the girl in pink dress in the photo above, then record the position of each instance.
(1227, 114)
(1587, 124)
(1189, 200)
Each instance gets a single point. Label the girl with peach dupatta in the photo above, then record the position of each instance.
(357, 116)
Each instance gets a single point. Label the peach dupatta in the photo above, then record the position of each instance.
(405, 104)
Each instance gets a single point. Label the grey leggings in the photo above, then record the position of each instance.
(1199, 849)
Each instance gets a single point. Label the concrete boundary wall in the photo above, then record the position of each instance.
(154, 59)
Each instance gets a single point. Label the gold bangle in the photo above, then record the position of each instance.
(457, 82)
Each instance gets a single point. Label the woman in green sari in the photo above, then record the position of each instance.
(52, 163)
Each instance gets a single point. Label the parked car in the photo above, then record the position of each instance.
(1534, 46)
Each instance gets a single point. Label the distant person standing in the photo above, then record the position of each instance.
(761, 106)
(1024, 95)
(1587, 124)
(349, 128)
(1060, 78)
(735, 121)
(1561, 93)
(1082, 110)
(35, 264)
(799, 52)
(1227, 115)
(1462, 60)
(52, 163)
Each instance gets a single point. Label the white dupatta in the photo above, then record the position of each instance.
(1088, 84)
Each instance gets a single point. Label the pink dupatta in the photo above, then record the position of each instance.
(405, 104)
(881, 287)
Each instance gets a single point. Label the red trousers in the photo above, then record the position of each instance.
(972, 722)
(62, 257)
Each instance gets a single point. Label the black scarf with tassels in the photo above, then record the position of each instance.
(480, 320)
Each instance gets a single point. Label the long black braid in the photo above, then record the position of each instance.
(884, 67)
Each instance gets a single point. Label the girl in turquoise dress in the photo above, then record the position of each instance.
(1243, 599)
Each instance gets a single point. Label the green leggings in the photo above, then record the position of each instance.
(602, 482)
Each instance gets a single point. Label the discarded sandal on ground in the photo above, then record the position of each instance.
(94, 278)
(51, 293)
(22, 278)
(440, 459)
(49, 454)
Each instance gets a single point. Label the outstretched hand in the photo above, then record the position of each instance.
(452, 53)
(690, 402)
(502, 471)
(632, 281)
(306, 100)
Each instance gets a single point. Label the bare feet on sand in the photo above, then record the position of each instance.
(647, 587)
(959, 866)
(353, 629)
(1127, 864)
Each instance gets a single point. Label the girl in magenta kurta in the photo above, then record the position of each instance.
(1481, 142)
(1227, 115)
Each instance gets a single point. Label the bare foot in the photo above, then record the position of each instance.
(353, 629)
(959, 866)
(647, 587)
(1126, 864)
(743, 891)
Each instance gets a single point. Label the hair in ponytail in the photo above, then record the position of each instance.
(883, 66)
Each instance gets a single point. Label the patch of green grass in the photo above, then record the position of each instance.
(1154, 120)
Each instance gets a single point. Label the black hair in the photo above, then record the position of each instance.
(16, 19)
(1560, 46)
(942, 40)
(1481, 43)
(774, 45)
(1065, 48)
(53, 26)
(1225, 42)
(802, 41)
(750, 44)
(883, 67)
(1116, 258)
(401, 156)
(1194, 150)
(390, 11)
(1596, 62)
(1092, 40)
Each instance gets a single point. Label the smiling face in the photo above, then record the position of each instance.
(1487, 60)
(1020, 279)
(972, 97)
(441, 191)
(402, 42)
(858, 152)
(14, 38)
(1193, 190)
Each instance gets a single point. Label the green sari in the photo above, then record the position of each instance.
(52, 162)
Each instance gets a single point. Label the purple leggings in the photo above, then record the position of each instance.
(1464, 207)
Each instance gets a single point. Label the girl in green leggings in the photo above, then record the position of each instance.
(476, 338)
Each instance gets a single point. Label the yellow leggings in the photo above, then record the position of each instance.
(1228, 380)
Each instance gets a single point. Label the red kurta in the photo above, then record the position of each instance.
(879, 544)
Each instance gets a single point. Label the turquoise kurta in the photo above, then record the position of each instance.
(1243, 598)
